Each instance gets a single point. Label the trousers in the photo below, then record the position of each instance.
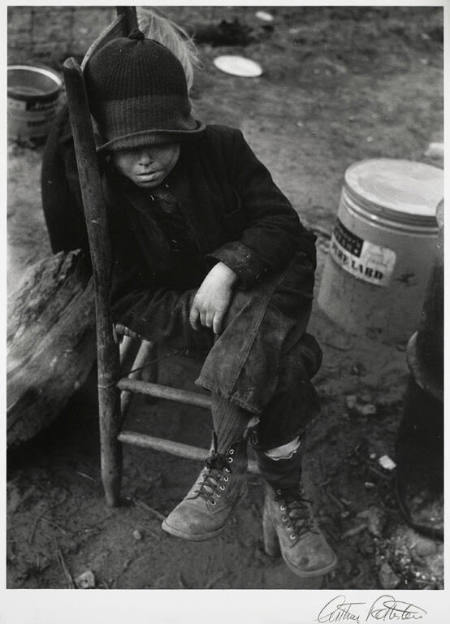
(263, 360)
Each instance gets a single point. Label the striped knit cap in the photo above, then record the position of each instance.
(137, 94)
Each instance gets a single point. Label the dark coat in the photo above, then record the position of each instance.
(233, 209)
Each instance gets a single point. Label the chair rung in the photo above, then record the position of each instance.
(160, 444)
(164, 392)
(169, 446)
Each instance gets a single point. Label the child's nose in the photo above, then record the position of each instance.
(145, 157)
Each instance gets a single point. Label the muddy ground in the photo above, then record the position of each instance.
(339, 85)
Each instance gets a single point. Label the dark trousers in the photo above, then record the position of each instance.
(262, 361)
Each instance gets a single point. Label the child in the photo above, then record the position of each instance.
(209, 254)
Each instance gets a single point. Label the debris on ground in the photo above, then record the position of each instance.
(387, 463)
(424, 546)
(387, 576)
(375, 519)
(225, 33)
(264, 16)
(435, 150)
(351, 401)
(86, 580)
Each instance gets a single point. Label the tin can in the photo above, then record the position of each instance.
(33, 97)
(382, 248)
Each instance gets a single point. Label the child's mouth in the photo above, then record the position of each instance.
(148, 177)
(149, 174)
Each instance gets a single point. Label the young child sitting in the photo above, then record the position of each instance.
(210, 255)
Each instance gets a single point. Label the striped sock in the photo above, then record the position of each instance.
(230, 422)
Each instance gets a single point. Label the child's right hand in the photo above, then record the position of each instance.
(213, 298)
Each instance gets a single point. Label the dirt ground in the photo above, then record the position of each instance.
(339, 85)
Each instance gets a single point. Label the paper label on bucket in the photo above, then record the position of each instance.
(365, 261)
(17, 104)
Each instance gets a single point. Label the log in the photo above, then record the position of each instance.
(50, 342)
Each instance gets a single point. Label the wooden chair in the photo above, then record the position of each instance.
(114, 390)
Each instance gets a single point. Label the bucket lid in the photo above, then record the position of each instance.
(396, 190)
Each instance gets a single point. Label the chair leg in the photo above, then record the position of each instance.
(150, 372)
(128, 349)
(110, 447)
(145, 353)
(112, 409)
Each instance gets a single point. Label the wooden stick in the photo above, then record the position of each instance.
(165, 392)
(128, 13)
(352, 532)
(33, 531)
(154, 512)
(169, 446)
(54, 524)
(100, 248)
(85, 476)
(65, 569)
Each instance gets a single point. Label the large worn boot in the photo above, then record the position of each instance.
(291, 530)
(207, 506)
(289, 526)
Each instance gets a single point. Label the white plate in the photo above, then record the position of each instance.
(238, 66)
(264, 16)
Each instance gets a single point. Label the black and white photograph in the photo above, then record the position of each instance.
(224, 311)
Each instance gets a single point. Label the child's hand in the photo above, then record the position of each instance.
(213, 298)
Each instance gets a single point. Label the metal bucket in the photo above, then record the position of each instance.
(382, 248)
(33, 94)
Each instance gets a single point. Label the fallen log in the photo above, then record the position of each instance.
(50, 342)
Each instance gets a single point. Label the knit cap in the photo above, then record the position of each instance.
(137, 94)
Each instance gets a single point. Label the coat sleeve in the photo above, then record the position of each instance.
(155, 313)
(60, 189)
(273, 231)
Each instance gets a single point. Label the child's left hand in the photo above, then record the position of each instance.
(213, 298)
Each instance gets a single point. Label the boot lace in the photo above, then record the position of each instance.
(296, 513)
(215, 475)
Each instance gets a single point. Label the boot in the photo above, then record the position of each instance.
(289, 526)
(290, 530)
(204, 511)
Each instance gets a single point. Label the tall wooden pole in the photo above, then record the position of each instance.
(130, 17)
(99, 243)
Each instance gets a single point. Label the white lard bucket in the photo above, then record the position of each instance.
(382, 248)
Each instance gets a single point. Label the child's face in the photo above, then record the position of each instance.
(147, 166)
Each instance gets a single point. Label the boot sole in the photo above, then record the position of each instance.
(188, 536)
(312, 573)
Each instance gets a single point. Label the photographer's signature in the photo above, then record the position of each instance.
(385, 608)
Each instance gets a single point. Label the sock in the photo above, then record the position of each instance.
(230, 422)
(281, 472)
(286, 451)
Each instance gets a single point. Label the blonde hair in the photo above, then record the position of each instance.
(174, 37)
